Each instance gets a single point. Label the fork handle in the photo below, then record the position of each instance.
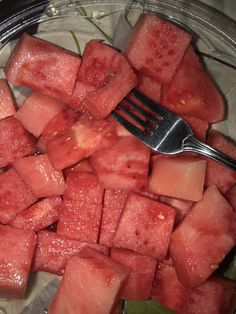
(193, 145)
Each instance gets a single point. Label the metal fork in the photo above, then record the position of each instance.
(163, 130)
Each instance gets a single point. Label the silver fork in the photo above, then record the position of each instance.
(163, 130)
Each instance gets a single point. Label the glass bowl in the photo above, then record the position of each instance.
(72, 23)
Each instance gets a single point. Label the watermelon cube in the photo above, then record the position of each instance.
(199, 126)
(54, 250)
(15, 141)
(17, 249)
(210, 220)
(7, 101)
(80, 92)
(83, 187)
(168, 290)
(217, 174)
(124, 165)
(145, 226)
(81, 140)
(44, 67)
(139, 283)
(231, 197)
(197, 96)
(40, 176)
(38, 216)
(178, 177)
(15, 195)
(91, 284)
(108, 71)
(57, 125)
(80, 221)
(156, 47)
(36, 111)
(191, 58)
(149, 87)
(113, 205)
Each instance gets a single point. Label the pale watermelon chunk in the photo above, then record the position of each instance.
(16, 253)
(80, 221)
(54, 250)
(178, 177)
(139, 282)
(7, 101)
(156, 47)
(38, 216)
(145, 226)
(210, 221)
(40, 176)
(36, 111)
(113, 205)
(15, 195)
(43, 66)
(91, 284)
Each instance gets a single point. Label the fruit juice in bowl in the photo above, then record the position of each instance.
(71, 25)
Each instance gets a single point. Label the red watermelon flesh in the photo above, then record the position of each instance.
(57, 125)
(217, 174)
(17, 249)
(80, 92)
(168, 290)
(113, 205)
(83, 166)
(231, 197)
(192, 92)
(199, 126)
(80, 221)
(43, 66)
(210, 220)
(139, 282)
(54, 250)
(109, 72)
(38, 216)
(15, 195)
(40, 176)
(15, 141)
(7, 101)
(149, 87)
(123, 165)
(36, 111)
(81, 140)
(91, 284)
(191, 58)
(156, 47)
(145, 227)
(83, 187)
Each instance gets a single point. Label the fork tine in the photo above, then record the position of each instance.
(163, 112)
(129, 126)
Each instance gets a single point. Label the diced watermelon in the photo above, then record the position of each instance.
(57, 125)
(145, 226)
(156, 47)
(91, 284)
(149, 87)
(80, 221)
(191, 58)
(192, 92)
(15, 142)
(114, 202)
(217, 174)
(15, 195)
(7, 101)
(109, 72)
(39, 216)
(83, 166)
(40, 176)
(139, 282)
(198, 126)
(210, 221)
(168, 290)
(17, 249)
(83, 187)
(80, 141)
(54, 250)
(179, 177)
(123, 165)
(36, 111)
(231, 197)
(43, 66)
(81, 91)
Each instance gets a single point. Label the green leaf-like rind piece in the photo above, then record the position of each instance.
(146, 307)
